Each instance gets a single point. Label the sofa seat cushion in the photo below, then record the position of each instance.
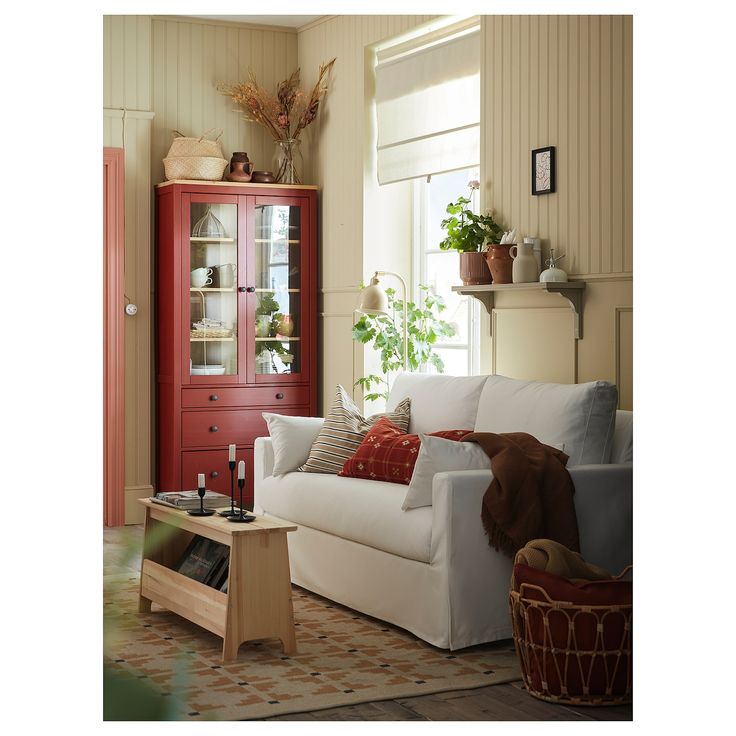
(364, 511)
(576, 418)
(437, 401)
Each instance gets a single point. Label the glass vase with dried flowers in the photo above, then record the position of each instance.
(284, 115)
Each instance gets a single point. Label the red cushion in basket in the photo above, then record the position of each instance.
(596, 622)
(388, 454)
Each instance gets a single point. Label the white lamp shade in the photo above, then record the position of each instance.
(373, 299)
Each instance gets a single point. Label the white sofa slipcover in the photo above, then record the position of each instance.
(431, 570)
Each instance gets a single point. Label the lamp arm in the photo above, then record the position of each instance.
(406, 313)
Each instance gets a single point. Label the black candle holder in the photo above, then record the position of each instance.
(231, 511)
(241, 518)
(201, 511)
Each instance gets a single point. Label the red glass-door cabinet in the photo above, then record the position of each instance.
(236, 275)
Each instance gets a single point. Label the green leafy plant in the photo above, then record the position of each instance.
(466, 231)
(267, 304)
(424, 327)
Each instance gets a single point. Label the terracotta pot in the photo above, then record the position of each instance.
(500, 263)
(241, 167)
(474, 269)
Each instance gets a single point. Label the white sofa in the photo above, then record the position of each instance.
(431, 570)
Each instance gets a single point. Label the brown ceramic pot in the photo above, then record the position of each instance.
(474, 269)
(500, 263)
(241, 167)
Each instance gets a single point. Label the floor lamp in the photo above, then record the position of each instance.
(373, 300)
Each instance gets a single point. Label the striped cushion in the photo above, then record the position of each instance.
(344, 430)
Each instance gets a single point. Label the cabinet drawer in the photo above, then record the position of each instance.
(213, 463)
(231, 426)
(270, 396)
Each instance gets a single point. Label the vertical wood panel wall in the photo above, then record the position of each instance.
(127, 118)
(189, 59)
(564, 81)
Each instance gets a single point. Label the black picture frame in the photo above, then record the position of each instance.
(543, 170)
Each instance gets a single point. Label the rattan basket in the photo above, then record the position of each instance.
(194, 167)
(571, 653)
(183, 145)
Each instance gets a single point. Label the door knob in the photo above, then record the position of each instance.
(241, 289)
(251, 289)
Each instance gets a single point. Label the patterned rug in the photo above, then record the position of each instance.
(160, 666)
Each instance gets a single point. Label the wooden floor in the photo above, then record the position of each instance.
(507, 702)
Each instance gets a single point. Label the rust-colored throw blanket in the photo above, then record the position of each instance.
(530, 496)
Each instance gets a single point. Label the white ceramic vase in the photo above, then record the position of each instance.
(524, 269)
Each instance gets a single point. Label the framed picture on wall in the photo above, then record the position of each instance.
(543, 170)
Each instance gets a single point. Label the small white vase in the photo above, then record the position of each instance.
(553, 274)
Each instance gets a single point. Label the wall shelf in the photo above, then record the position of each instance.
(570, 290)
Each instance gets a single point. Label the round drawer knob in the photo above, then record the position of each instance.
(214, 397)
(214, 474)
(279, 395)
(214, 428)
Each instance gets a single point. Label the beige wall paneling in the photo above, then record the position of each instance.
(534, 344)
(624, 331)
(132, 131)
(335, 152)
(189, 59)
(127, 122)
(564, 81)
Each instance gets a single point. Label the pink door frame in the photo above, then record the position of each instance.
(114, 356)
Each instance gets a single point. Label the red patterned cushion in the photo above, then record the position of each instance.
(388, 454)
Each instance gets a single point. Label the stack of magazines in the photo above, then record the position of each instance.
(207, 562)
(187, 500)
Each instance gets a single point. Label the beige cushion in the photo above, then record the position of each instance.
(343, 431)
(437, 401)
(576, 418)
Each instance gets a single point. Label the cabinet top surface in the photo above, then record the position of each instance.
(201, 524)
(235, 184)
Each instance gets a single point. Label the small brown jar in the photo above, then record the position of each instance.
(241, 168)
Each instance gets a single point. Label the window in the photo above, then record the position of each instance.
(439, 269)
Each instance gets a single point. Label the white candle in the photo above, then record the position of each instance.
(241, 470)
(231, 455)
(200, 480)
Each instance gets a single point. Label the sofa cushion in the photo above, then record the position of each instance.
(343, 431)
(623, 438)
(293, 438)
(438, 455)
(437, 401)
(389, 454)
(364, 511)
(576, 418)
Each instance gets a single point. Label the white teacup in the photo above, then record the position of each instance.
(201, 277)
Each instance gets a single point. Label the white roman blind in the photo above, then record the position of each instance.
(428, 104)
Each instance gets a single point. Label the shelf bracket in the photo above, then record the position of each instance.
(575, 297)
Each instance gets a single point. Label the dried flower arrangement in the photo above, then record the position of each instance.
(285, 114)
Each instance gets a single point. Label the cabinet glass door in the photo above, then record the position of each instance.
(213, 302)
(279, 280)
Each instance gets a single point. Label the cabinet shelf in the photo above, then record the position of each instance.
(212, 288)
(280, 338)
(211, 339)
(194, 239)
(570, 290)
(278, 290)
(275, 240)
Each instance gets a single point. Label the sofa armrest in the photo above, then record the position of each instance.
(262, 459)
(477, 576)
(604, 507)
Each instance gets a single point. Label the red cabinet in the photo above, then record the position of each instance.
(236, 321)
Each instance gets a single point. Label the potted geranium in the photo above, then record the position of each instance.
(470, 235)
